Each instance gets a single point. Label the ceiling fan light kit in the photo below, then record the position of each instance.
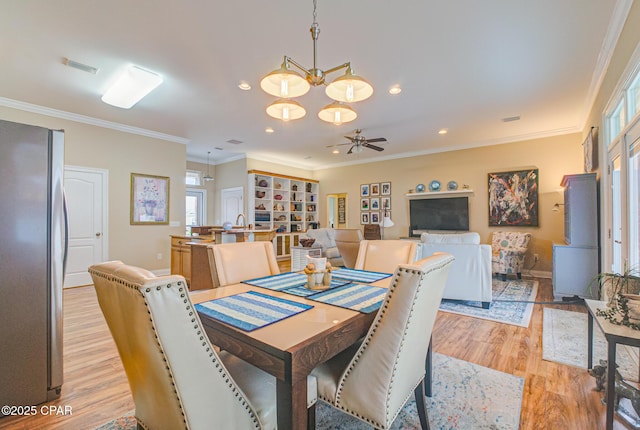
(286, 84)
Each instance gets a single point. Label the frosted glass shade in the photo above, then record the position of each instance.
(337, 113)
(349, 88)
(131, 87)
(286, 110)
(284, 83)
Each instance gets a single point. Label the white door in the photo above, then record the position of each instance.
(86, 195)
(232, 204)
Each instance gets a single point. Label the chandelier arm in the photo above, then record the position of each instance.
(335, 69)
(290, 60)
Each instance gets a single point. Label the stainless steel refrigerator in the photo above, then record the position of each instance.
(32, 258)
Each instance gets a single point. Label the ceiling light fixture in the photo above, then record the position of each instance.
(395, 90)
(287, 84)
(244, 86)
(208, 177)
(443, 131)
(131, 87)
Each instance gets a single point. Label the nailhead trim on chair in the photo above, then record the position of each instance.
(218, 364)
(365, 343)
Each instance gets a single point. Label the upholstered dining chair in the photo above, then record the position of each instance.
(372, 232)
(374, 380)
(508, 249)
(348, 243)
(236, 262)
(177, 379)
(385, 255)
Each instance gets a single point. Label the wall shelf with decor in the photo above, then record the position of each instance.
(284, 203)
(440, 194)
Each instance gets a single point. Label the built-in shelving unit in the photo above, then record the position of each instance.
(280, 202)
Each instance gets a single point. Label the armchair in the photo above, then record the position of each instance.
(508, 249)
(326, 240)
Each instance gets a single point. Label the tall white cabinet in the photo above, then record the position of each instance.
(576, 262)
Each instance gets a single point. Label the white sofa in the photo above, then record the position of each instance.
(326, 239)
(470, 274)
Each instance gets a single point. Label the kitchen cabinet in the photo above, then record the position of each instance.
(181, 255)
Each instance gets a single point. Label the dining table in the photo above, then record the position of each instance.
(290, 348)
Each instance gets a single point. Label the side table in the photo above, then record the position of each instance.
(299, 256)
(614, 334)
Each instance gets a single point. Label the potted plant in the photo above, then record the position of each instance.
(621, 291)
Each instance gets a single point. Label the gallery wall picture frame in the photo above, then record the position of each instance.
(364, 190)
(590, 152)
(385, 203)
(149, 199)
(374, 217)
(364, 218)
(513, 198)
(364, 204)
(342, 210)
(374, 189)
(375, 203)
(385, 189)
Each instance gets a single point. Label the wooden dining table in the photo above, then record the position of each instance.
(291, 348)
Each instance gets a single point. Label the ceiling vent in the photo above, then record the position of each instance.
(234, 141)
(511, 118)
(80, 66)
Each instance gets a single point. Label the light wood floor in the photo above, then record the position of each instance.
(555, 396)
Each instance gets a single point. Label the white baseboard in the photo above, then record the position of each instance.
(540, 274)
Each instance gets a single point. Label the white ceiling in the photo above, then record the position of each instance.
(463, 65)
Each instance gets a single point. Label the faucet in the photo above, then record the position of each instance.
(238, 220)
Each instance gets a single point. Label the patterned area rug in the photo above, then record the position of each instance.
(564, 340)
(509, 303)
(465, 396)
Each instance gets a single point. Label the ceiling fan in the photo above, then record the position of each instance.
(359, 141)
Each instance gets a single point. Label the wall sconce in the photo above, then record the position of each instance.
(556, 207)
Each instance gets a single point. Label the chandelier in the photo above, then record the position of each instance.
(288, 84)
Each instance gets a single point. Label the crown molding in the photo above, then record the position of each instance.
(56, 113)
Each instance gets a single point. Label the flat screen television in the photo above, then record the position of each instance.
(438, 214)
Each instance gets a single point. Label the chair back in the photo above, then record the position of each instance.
(389, 363)
(372, 232)
(176, 378)
(348, 243)
(509, 240)
(385, 255)
(236, 262)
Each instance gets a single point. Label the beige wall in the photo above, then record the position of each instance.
(122, 154)
(554, 157)
(229, 175)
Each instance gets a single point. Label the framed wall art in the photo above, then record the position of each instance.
(590, 152)
(375, 203)
(513, 198)
(364, 218)
(149, 199)
(374, 189)
(364, 190)
(364, 204)
(385, 188)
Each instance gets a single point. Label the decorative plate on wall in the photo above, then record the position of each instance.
(420, 188)
(434, 185)
(452, 185)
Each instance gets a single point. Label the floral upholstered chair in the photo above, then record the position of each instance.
(507, 252)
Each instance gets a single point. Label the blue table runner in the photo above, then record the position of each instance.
(356, 275)
(251, 310)
(279, 282)
(358, 297)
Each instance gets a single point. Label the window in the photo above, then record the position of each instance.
(634, 97)
(616, 120)
(634, 197)
(196, 207)
(193, 177)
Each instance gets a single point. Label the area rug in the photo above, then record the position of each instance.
(564, 340)
(465, 396)
(512, 303)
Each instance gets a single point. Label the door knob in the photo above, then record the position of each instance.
(98, 234)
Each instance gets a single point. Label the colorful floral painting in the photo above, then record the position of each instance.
(513, 198)
(149, 199)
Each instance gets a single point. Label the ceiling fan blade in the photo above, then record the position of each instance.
(351, 149)
(351, 138)
(377, 139)
(339, 144)
(375, 148)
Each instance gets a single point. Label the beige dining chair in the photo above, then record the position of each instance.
(373, 381)
(385, 255)
(177, 379)
(236, 262)
(348, 243)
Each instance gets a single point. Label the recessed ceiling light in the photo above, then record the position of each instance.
(244, 86)
(269, 130)
(335, 151)
(443, 131)
(395, 90)
(308, 157)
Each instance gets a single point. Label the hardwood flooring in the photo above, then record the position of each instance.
(555, 396)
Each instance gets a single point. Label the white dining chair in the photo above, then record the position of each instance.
(236, 262)
(385, 255)
(177, 378)
(374, 380)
